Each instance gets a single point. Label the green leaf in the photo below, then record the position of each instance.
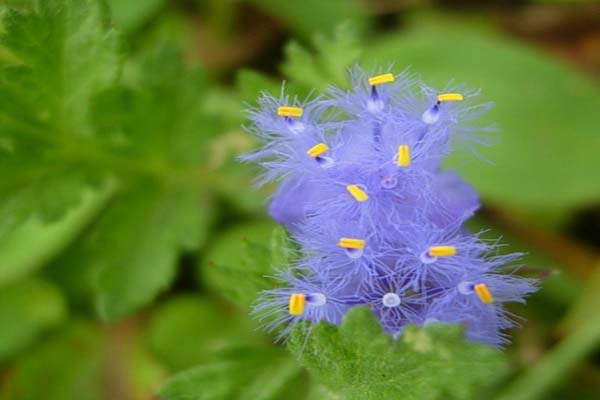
(247, 373)
(282, 248)
(310, 16)
(542, 106)
(136, 245)
(164, 140)
(237, 262)
(59, 55)
(27, 308)
(131, 14)
(188, 330)
(320, 392)
(139, 239)
(19, 258)
(329, 64)
(358, 361)
(67, 121)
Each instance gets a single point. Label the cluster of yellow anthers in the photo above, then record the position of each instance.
(298, 300)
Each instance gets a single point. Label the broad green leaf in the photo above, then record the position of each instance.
(542, 106)
(66, 120)
(329, 64)
(238, 261)
(131, 14)
(189, 330)
(58, 56)
(358, 361)
(309, 16)
(137, 242)
(27, 308)
(166, 140)
(20, 258)
(243, 373)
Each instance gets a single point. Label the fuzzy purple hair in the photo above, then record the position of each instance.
(377, 221)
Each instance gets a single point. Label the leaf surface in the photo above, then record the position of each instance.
(358, 361)
(27, 309)
(243, 373)
(237, 263)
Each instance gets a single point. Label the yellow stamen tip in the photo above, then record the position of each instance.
(317, 150)
(379, 79)
(350, 243)
(450, 97)
(403, 156)
(289, 111)
(483, 293)
(358, 194)
(442, 251)
(297, 303)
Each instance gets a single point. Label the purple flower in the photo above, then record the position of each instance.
(377, 221)
(320, 299)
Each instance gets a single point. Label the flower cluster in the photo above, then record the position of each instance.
(378, 223)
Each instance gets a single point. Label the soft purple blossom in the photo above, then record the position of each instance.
(377, 221)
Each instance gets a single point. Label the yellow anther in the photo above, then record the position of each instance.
(349, 243)
(403, 156)
(297, 303)
(317, 150)
(358, 194)
(450, 97)
(442, 251)
(379, 79)
(289, 111)
(483, 293)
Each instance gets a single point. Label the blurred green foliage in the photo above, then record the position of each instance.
(543, 109)
(26, 309)
(132, 245)
(310, 16)
(189, 330)
(238, 275)
(240, 373)
(130, 15)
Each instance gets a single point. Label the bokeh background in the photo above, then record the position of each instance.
(149, 265)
